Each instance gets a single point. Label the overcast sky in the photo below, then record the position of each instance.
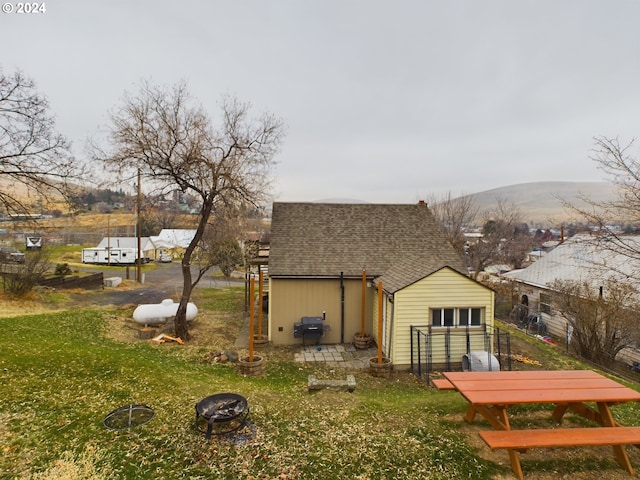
(384, 101)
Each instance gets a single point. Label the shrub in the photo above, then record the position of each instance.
(62, 269)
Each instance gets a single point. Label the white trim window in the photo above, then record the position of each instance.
(545, 303)
(457, 317)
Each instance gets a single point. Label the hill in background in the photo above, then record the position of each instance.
(540, 202)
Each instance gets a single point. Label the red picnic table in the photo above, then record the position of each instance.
(490, 394)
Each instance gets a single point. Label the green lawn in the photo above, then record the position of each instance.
(62, 373)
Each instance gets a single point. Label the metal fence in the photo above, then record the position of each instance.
(442, 349)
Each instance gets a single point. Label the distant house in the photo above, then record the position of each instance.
(318, 253)
(179, 237)
(173, 241)
(164, 249)
(576, 259)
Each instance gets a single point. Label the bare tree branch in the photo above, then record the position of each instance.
(35, 161)
(603, 322)
(454, 215)
(617, 161)
(505, 238)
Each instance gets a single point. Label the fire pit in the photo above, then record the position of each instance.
(221, 413)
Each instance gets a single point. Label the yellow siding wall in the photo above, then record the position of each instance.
(387, 315)
(291, 299)
(445, 288)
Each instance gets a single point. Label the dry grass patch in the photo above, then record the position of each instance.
(37, 301)
(89, 465)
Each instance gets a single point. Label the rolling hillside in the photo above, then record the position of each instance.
(540, 202)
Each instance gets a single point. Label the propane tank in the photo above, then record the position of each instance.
(159, 313)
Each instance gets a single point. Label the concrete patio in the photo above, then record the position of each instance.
(343, 356)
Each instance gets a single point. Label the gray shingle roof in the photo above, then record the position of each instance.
(402, 242)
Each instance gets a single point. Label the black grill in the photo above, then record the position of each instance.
(310, 328)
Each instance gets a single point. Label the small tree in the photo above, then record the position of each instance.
(602, 320)
(454, 215)
(20, 279)
(220, 246)
(62, 269)
(505, 239)
(171, 141)
(227, 255)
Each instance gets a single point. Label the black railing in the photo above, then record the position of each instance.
(443, 348)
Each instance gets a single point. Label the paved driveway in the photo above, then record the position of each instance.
(164, 281)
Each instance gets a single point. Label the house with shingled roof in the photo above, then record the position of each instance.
(331, 259)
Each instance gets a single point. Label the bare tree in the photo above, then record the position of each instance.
(155, 219)
(454, 215)
(618, 162)
(221, 242)
(602, 319)
(505, 238)
(35, 161)
(174, 145)
(226, 255)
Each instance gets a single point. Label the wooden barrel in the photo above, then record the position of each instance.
(362, 342)
(251, 369)
(382, 370)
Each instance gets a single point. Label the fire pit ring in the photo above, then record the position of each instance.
(221, 413)
(128, 416)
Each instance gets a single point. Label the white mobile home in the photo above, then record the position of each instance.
(109, 256)
(123, 243)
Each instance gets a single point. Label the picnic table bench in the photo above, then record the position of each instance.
(490, 394)
(521, 440)
(442, 384)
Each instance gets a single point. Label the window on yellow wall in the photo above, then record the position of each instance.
(457, 317)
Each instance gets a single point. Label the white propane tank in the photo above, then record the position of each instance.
(479, 361)
(158, 313)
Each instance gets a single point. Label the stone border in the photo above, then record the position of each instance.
(314, 383)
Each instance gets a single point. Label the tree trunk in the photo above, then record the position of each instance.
(180, 321)
(181, 327)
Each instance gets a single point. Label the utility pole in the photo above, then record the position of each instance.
(138, 228)
(109, 239)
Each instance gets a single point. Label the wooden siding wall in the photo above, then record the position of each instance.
(292, 299)
(444, 288)
(556, 325)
